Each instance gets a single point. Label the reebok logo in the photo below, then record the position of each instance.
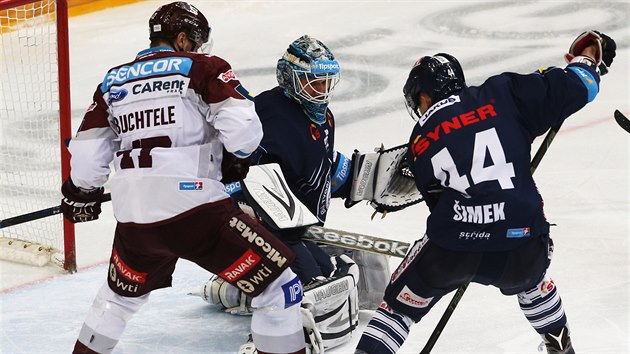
(361, 242)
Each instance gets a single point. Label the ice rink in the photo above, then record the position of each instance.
(583, 178)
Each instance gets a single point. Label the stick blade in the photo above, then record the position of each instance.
(622, 120)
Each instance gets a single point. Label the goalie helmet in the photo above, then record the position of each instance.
(308, 72)
(171, 19)
(438, 76)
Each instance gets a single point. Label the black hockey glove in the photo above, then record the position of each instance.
(80, 205)
(233, 168)
(609, 51)
(606, 49)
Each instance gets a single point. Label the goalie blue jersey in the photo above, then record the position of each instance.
(304, 150)
(477, 145)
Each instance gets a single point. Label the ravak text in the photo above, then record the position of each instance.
(421, 143)
(144, 119)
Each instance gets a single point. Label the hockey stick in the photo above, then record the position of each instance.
(460, 292)
(354, 241)
(339, 238)
(622, 120)
(44, 213)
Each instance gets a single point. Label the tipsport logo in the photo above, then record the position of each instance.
(232, 188)
(191, 186)
(325, 67)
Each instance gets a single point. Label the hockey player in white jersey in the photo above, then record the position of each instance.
(175, 124)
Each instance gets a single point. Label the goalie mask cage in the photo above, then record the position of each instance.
(34, 124)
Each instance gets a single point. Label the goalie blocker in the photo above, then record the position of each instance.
(384, 179)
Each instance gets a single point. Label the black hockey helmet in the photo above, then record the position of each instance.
(171, 19)
(438, 76)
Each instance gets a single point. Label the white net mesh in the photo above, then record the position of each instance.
(30, 170)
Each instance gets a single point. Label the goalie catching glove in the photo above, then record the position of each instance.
(79, 204)
(383, 178)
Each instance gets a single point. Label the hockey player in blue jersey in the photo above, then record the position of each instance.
(470, 157)
(299, 136)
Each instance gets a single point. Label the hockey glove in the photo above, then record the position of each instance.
(606, 48)
(384, 179)
(609, 51)
(80, 205)
(233, 168)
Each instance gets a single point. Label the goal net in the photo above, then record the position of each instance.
(34, 123)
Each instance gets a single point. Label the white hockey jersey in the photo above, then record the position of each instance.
(163, 120)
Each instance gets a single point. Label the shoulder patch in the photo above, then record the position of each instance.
(227, 76)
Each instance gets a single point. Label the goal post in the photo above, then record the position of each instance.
(35, 123)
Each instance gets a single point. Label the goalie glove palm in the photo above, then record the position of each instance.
(381, 179)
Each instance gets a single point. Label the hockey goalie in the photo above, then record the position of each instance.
(330, 306)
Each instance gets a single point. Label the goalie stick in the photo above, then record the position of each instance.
(334, 237)
(460, 292)
(355, 241)
(622, 120)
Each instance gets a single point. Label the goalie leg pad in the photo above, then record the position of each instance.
(334, 303)
(314, 342)
(375, 273)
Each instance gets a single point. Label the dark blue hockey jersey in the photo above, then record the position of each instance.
(304, 150)
(477, 143)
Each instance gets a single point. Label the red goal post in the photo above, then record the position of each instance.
(35, 123)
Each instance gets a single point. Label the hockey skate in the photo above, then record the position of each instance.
(248, 348)
(558, 342)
